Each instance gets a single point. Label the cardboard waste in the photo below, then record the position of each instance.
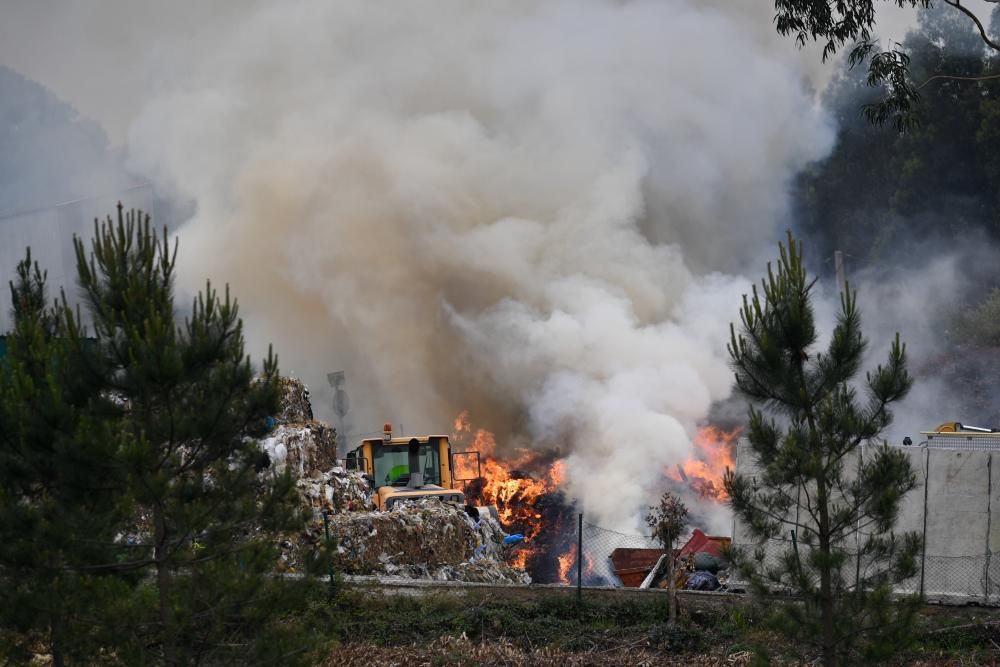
(425, 539)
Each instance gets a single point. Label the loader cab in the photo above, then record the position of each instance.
(406, 468)
(394, 464)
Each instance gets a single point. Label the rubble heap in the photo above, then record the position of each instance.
(303, 448)
(295, 405)
(336, 490)
(298, 441)
(425, 539)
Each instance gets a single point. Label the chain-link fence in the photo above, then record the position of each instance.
(951, 510)
(610, 557)
(615, 558)
(604, 562)
(957, 579)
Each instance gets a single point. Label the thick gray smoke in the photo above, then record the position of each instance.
(537, 211)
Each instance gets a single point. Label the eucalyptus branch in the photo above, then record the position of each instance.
(957, 4)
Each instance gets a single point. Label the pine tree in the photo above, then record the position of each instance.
(60, 498)
(811, 479)
(136, 524)
(187, 398)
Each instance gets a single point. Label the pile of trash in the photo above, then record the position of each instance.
(295, 405)
(700, 565)
(301, 447)
(419, 539)
(336, 490)
(296, 440)
(703, 572)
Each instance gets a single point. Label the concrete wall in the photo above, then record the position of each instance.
(952, 508)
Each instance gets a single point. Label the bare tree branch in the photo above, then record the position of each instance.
(953, 77)
(957, 4)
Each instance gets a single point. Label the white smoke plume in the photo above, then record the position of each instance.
(537, 211)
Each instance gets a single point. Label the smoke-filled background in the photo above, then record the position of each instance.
(542, 212)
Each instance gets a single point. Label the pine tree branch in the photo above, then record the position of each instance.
(780, 519)
(198, 521)
(212, 429)
(857, 516)
(127, 566)
(760, 389)
(810, 509)
(837, 458)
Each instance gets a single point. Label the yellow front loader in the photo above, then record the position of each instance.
(410, 467)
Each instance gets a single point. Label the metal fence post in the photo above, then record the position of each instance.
(329, 554)
(923, 541)
(579, 559)
(989, 527)
(857, 529)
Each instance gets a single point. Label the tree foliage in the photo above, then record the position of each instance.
(838, 24)
(807, 419)
(128, 457)
(877, 193)
(60, 503)
(668, 520)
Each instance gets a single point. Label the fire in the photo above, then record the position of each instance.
(565, 563)
(714, 453)
(557, 473)
(520, 559)
(523, 488)
(513, 492)
(568, 564)
(507, 484)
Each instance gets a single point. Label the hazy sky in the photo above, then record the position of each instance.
(104, 61)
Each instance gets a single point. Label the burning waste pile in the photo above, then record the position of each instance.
(526, 490)
(425, 539)
(527, 486)
(430, 539)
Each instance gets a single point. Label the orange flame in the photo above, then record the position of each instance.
(714, 453)
(565, 563)
(512, 492)
(520, 559)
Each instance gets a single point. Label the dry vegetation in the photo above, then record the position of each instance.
(548, 627)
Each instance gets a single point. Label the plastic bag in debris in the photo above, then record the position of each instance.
(302, 448)
(295, 441)
(702, 581)
(708, 562)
